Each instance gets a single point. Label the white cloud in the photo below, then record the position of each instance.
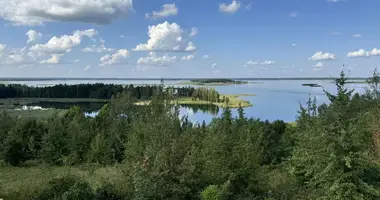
(323, 56)
(205, 57)
(167, 10)
(194, 32)
(153, 60)
(213, 65)
(319, 64)
(335, 1)
(318, 67)
(293, 14)
(116, 58)
(87, 68)
(266, 62)
(33, 36)
(359, 53)
(54, 59)
(167, 37)
(248, 6)
(98, 49)
(375, 52)
(13, 56)
(363, 53)
(189, 57)
(58, 45)
(357, 35)
(2, 47)
(294, 44)
(230, 8)
(122, 36)
(38, 12)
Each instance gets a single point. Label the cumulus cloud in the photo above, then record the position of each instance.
(167, 10)
(38, 12)
(117, 58)
(357, 35)
(33, 36)
(15, 56)
(54, 59)
(194, 32)
(2, 47)
(322, 56)
(154, 60)
(189, 57)
(97, 49)
(167, 37)
(265, 62)
(230, 8)
(363, 53)
(87, 68)
(213, 65)
(319, 66)
(58, 45)
(205, 57)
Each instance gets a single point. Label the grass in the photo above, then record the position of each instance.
(233, 103)
(20, 181)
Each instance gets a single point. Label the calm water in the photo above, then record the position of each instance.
(274, 99)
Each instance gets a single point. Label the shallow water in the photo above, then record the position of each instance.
(274, 99)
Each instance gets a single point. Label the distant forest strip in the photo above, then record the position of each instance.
(204, 81)
(103, 91)
(166, 79)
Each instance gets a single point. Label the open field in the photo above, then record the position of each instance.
(19, 182)
(234, 101)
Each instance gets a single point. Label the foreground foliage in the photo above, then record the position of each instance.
(331, 153)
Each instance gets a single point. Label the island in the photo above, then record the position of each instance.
(213, 82)
(311, 85)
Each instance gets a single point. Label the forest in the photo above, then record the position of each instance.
(331, 152)
(103, 91)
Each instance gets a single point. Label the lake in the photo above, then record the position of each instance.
(278, 99)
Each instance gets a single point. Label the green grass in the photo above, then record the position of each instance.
(234, 101)
(19, 181)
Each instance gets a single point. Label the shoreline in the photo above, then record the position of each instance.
(233, 103)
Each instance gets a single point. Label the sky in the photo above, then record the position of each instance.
(188, 38)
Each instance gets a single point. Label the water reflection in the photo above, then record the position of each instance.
(87, 107)
(195, 108)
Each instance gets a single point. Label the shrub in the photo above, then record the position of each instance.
(81, 190)
(108, 192)
(56, 187)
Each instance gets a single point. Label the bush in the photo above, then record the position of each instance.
(108, 192)
(81, 190)
(212, 192)
(57, 187)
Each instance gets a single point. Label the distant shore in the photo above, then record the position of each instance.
(212, 82)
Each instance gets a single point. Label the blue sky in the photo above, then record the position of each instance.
(188, 38)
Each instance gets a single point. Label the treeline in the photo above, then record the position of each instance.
(206, 94)
(332, 152)
(96, 91)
